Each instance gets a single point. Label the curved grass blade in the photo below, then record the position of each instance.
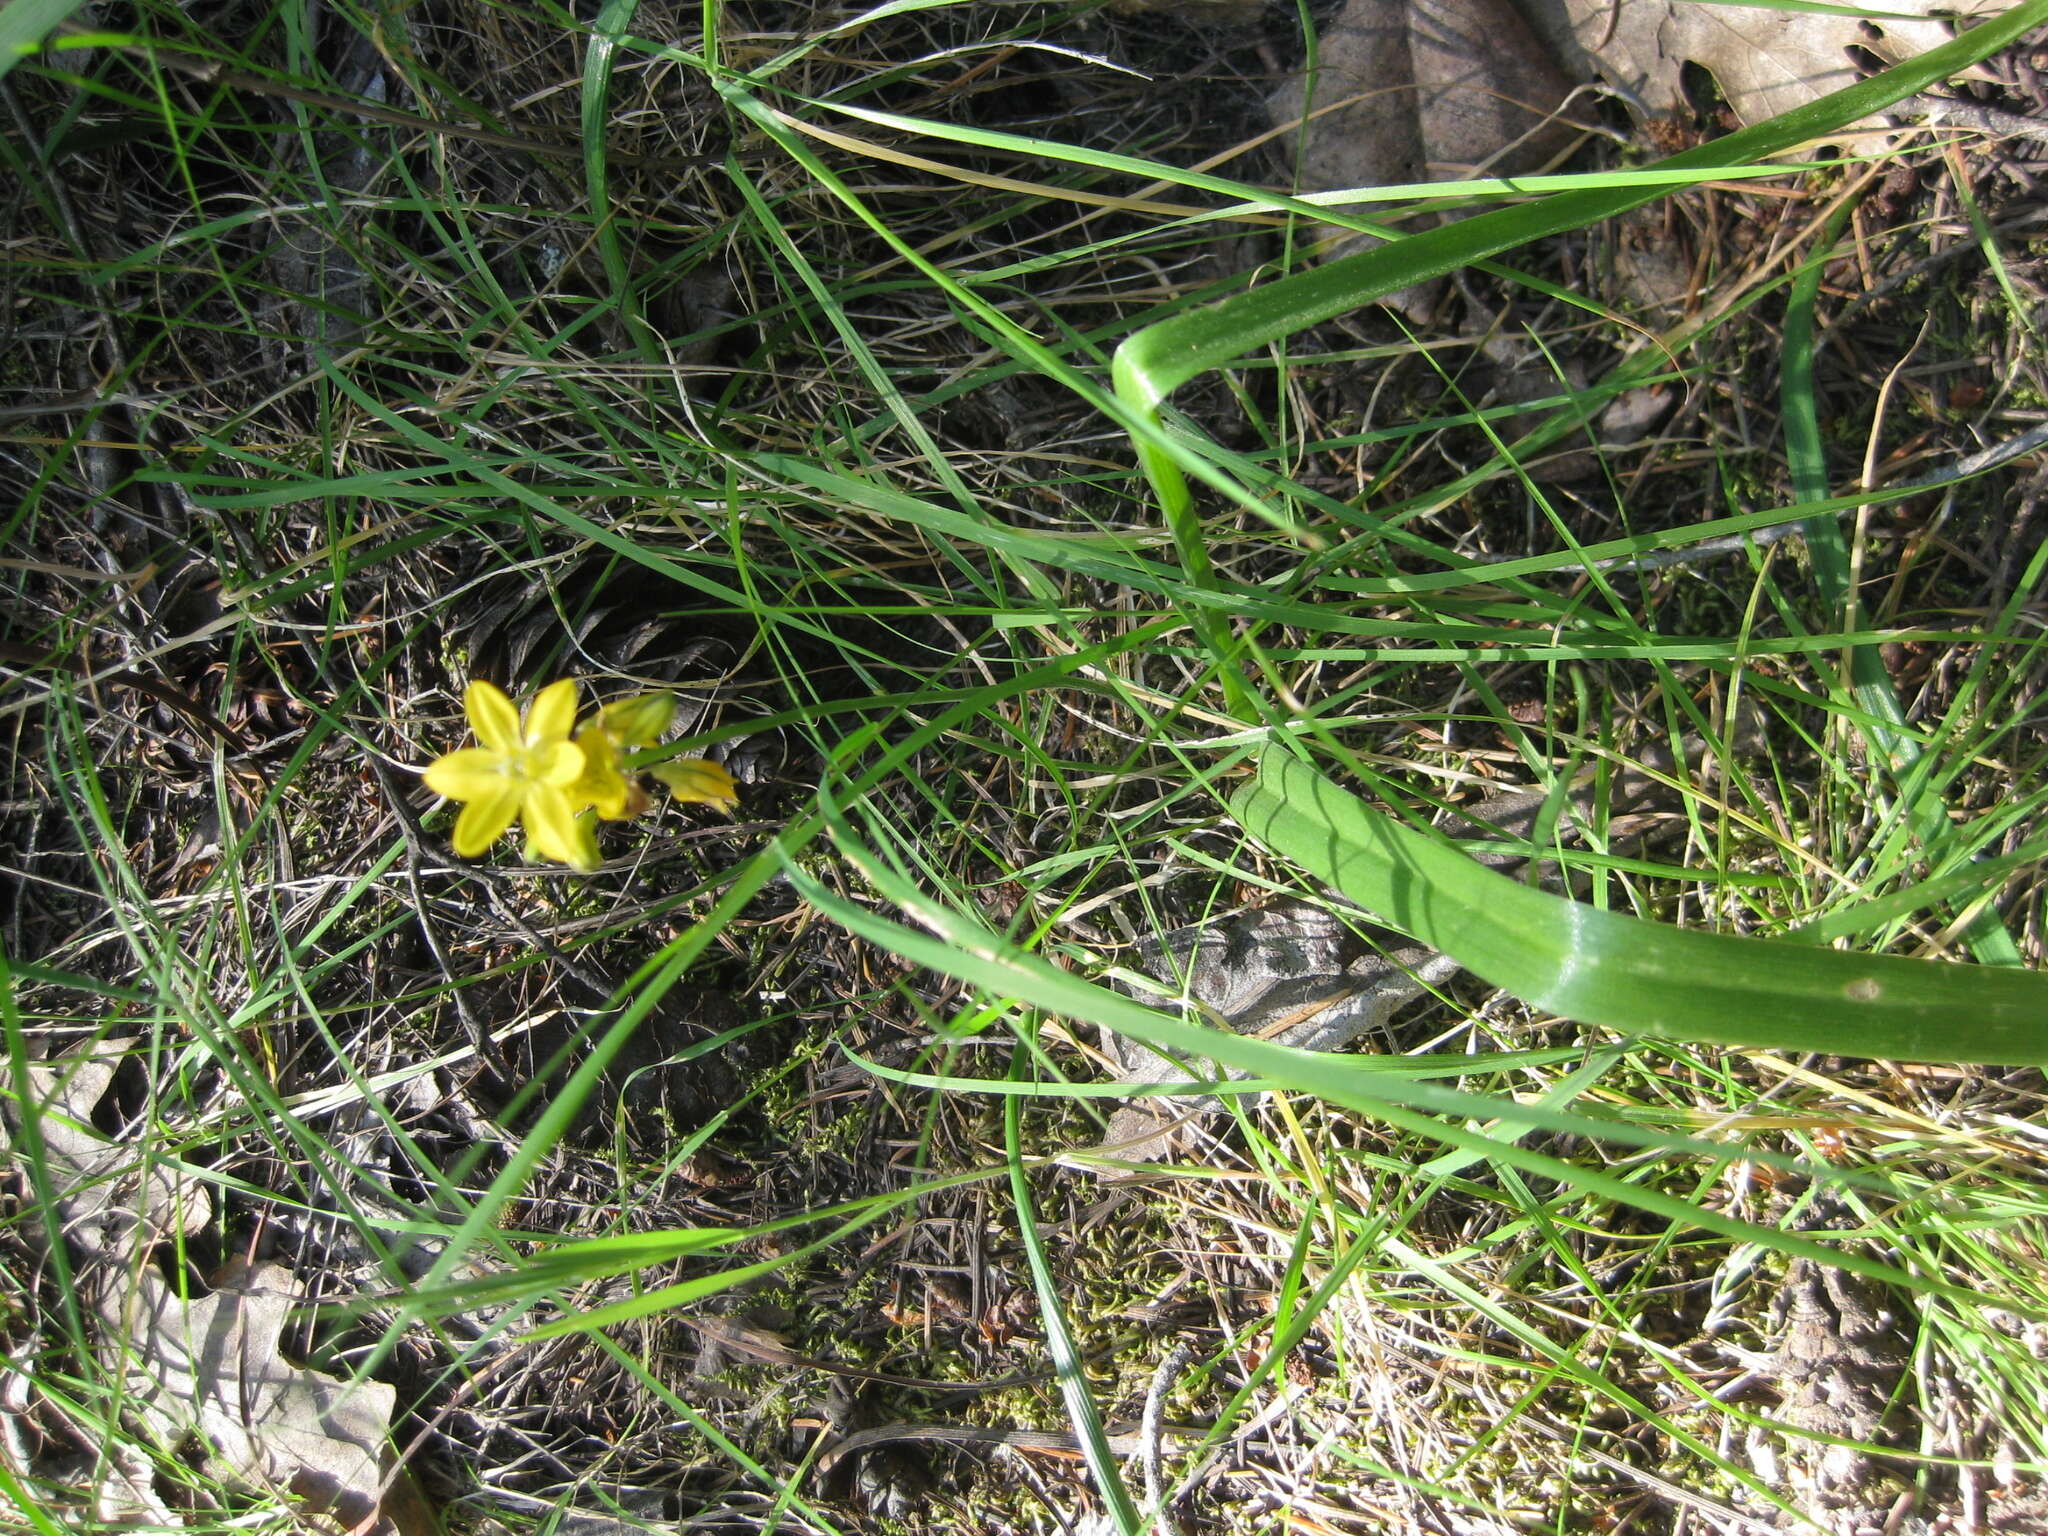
(1489, 1127)
(1150, 365)
(1628, 973)
(1068, 1362)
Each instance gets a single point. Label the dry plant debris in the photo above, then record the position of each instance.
(1764, 61)
(202, 1377)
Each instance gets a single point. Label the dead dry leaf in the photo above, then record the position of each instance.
(207, 1370)
(1488, 92)
(1763, 61)
(1404, 88)
(1409, 90)
(211, 1367)
(105, 1194)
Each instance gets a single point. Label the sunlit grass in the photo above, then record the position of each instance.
(842, 409)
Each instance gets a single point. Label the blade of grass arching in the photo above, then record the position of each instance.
(1869, 682)
(1021, 344)
(1627, 973)
(1108, 557)
(1458, 641)
(1255, 204)
(954, 943)
(855, 340)
(1149, 366)
(684, 1293)
(1067, 1361)
(600, 51)
(558, 1265)
(1395, 1066)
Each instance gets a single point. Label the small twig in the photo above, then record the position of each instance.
(1955, 112)
(31, 657)
(1151, 1435)
(480, 1039)
(2027, 442)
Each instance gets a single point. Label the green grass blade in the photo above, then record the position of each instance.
(1625, 972)
(956, 944)
(1066, 1355)
(1891, 741)
(611, 22)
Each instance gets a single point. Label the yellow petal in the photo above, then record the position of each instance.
(587, 857)
(552, 828)
(492, 716)
(485, 818)
(471, 774)
(552, 715)
(696, 778)
(557, 763)
(637, 721)
(601, 783)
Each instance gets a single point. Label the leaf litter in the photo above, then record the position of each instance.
(204, 1377)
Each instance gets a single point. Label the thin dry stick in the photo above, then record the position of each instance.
(2029, 441)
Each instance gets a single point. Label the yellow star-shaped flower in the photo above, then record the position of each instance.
(519, 771)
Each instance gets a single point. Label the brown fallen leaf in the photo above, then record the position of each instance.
(1488, 91)
(203, 1370)
(209, 1367)
(1407, 90)
(104, 1195)
(1764, 61)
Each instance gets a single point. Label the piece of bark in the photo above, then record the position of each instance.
(1838, 1357)
(1295, 974)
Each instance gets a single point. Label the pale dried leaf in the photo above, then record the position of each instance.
(104, 1193)
(1488, 92)
(1362, 128)
(1764, 61)
(1404, 90)
(210, 1367)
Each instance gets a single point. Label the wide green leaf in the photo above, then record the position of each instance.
(1628, 973)
(25, 25)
